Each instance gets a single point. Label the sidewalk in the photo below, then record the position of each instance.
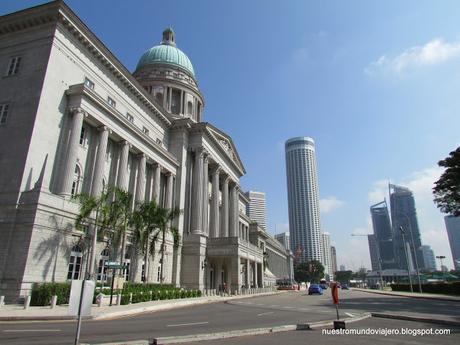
(413, 294)
(14, 312)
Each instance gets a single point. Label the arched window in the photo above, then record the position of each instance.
(76, 184)
(102, 268)
(74, 268)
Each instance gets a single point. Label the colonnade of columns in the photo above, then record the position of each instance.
(141, 192)
(221, 221)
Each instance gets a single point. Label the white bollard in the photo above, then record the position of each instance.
(27, 302)
(119, 299)
(53, 301)
(2, 301)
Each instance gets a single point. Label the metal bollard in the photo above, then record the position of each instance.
(53, 301)
(27, 302)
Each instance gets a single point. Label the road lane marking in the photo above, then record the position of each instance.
(270, 312)
(350, 314)
(30, 330)
(274, 305)
(188, 324)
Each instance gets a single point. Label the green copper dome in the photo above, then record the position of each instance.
(167, 53)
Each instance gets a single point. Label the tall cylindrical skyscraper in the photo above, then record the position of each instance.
(303, 199)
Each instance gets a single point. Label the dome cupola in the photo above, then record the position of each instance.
(167, 73)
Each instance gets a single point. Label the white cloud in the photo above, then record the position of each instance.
(329, 204)
(434, 52)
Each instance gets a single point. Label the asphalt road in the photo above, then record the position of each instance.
(374, 324)
(264, 311)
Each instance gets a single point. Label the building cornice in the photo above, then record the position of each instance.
(81, 91)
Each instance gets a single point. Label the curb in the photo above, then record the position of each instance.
(236, 333)
(417, 318)
(330, 323)
(438, 298)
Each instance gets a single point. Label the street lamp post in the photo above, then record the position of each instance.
(407, 257)
(441, 257)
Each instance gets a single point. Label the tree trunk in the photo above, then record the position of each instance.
(163, 231)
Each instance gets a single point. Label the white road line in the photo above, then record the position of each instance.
(270, 312)
(30, 330)
(288, 307)
(274, 305)
(350, 314)
(188, 324)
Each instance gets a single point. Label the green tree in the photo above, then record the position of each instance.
(447, 189)
(145, 222)
(311, 271)
(93, 213)
(164, 219)
(343, 276)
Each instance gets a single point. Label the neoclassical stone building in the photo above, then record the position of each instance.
(74, 120)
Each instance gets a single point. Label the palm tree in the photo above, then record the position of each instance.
(89, 206)
(164, 219)
(144, 223)
(119, 218)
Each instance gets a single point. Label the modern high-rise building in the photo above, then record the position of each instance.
(453, 232)
(327, 255)
(404, 215)
(342, 268)
(373, 252)
(334, 259)
(257, 208)
(383, 237)
(303, 199)
(428, 258)
(283, 238)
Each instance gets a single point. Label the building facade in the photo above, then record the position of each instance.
(383, 233)
(257, 208)
(334, 259)
(404, 215)
(453, 232)
(80, 122)
(303, 199)
(283, 238)
(428, 258)
(327, 254)
(373, 252)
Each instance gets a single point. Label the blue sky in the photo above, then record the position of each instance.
(374, 83)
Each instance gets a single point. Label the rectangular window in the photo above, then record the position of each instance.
(82, 136)
(111, 102)
(13, 66)
(4, 113)
(130, 117)
(145, 130)
(89, 84)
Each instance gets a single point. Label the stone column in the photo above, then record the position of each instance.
(156, 176)
(205, 195)
(72, 150)
(224, 215)
(256, 282)
(169, 190)
(197, 192)
(140, 188)
(122, 181)
(100, 161)
(248, 271)
(234, 211)
(214, 216)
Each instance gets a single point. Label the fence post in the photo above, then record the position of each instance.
(53, 301)
(27, 302)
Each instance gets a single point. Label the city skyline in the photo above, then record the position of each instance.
(333, 78)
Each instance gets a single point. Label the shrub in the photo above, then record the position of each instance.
(124, 299)
(42, 293)
(448, 288)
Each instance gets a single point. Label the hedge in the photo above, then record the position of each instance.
(447, 288)
(42, 293)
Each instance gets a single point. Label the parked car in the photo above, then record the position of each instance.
(315, 288)
(345, 287)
